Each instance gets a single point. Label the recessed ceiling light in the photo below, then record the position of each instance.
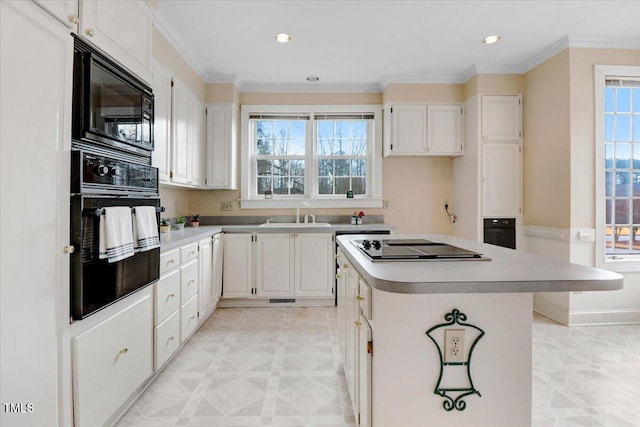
(491, 39)
(282, 38)
(313, 78)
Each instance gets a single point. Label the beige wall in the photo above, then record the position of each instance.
(493, 84)
(300, 98)
(546, 144)
(175, 202)
(222, 92)
(422, 93)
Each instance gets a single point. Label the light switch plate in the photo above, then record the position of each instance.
(226, 206)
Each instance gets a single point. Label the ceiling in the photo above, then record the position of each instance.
(363, 45)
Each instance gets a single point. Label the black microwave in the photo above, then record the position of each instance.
(111, 106)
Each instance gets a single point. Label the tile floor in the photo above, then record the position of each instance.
(281, 366)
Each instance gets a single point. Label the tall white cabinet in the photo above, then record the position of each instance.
(34, 183)
(222, 146)
(487, 180)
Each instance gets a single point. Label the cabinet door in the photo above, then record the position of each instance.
(222, 142)
(341, 279)
(110, 361)
(66, 11)
(161, 85)
(275, 265)
(237, 267)
(34, 178)
(217, 251)
(314, 265)
(180, 98)
(501, 118)
(122, 29)
(444, 128)
(351, 338)
(408, 129)
(197, 143)
(206, 291)
(364, 372)
(501, 174)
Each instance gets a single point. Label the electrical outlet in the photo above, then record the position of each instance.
(226, 206)
(385, 203)
(454, 347)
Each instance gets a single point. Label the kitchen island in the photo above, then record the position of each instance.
(445, 342)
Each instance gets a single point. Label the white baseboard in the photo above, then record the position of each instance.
(552, 311)
(604, 317)
(264, 302)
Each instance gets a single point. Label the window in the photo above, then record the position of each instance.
(317, 154)
(618, 136)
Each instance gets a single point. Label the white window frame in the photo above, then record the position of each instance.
(622, 262)
(250, 200)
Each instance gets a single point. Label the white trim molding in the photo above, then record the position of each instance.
(603, 317)
(573, 234)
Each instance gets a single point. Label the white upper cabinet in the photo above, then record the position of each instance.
(222, 146)
(161, 84)
(66, 11)
(122, 29)
(501, 175)
(197, 147)
(180, 101)
(423, 130)
(501, 118)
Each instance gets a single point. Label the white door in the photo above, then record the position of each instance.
(275, 265)
(341, 276)
(501, 118)
(351, 338)
(222, 141)
(217, 251)
(314, 265)
(36, 68)
(122, 29)
(444, 129)
(161, 85)
(237, 267)
(197, 142)
(364, 372)
(206, 284)
(501, 176)
(408, 129)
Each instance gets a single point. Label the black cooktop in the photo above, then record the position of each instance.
(413, 250)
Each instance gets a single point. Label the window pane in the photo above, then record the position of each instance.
(325, 129)
(608, 184)
(608, 100)
(608, 128)
(359, 148)
(296, 167)
(621, 239)
(325, 186)
(623, 128)
(263, 185)
(297, 185)
(280, 185)
(264, 129)
(342, 185)
(358, 167)
(608, 156)
(358, 185)
(622, 211)
(342, 147)
(297, 129)
(264, 167)
(636, 211)
(342, 168)
(325, 167)
(281, 167)
(623, 100)
(296, 147)
(636, 100)
(623, 156)
(636, 183)
(264, 147)
(607, 218)
(608, 238)
(325, 147)
(636, 127)
(622, 184)
(360, 129)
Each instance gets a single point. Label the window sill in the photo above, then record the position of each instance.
(631, 264)
(313, 203)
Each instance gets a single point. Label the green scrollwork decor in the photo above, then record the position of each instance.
(454, 395)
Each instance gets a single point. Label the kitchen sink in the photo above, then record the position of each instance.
(294, 224)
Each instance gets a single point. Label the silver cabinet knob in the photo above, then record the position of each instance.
(69, 249)
(90, 32)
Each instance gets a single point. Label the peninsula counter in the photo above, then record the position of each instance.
(399, 327)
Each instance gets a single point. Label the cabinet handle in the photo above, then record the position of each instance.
(345, 265)
(170, 262)
(90, 32)
(338, 276)
(357, 323)
(191, 318)
(170, 338)
(124, 350)
(190, 282)
(191, 253)
(171, 295)
(69, 249)
(359, 297)
(73, 19)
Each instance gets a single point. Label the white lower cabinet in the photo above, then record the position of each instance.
(167, 339)
(286, 265)
(167, 296)
(110, 361)
(188, 318)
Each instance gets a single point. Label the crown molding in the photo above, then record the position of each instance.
(632, 43)
(546, 53)
(222, 78)
(309, 88)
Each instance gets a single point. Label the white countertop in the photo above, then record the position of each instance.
(507, 271)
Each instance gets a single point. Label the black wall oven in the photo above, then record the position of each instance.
(111, 107)
(103, 179)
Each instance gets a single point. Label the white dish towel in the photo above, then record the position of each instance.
(145, 228)
(116, 234)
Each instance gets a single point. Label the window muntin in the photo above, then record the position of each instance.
(622, 166)
(342, 156)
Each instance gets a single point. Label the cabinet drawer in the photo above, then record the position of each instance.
(110, 361)
(167, 296)
(188, 318)
(364, 298)
(189, 252)
(188, 281)
(167, 338)
(169, 260)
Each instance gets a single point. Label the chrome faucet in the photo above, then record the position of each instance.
(302, 204)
